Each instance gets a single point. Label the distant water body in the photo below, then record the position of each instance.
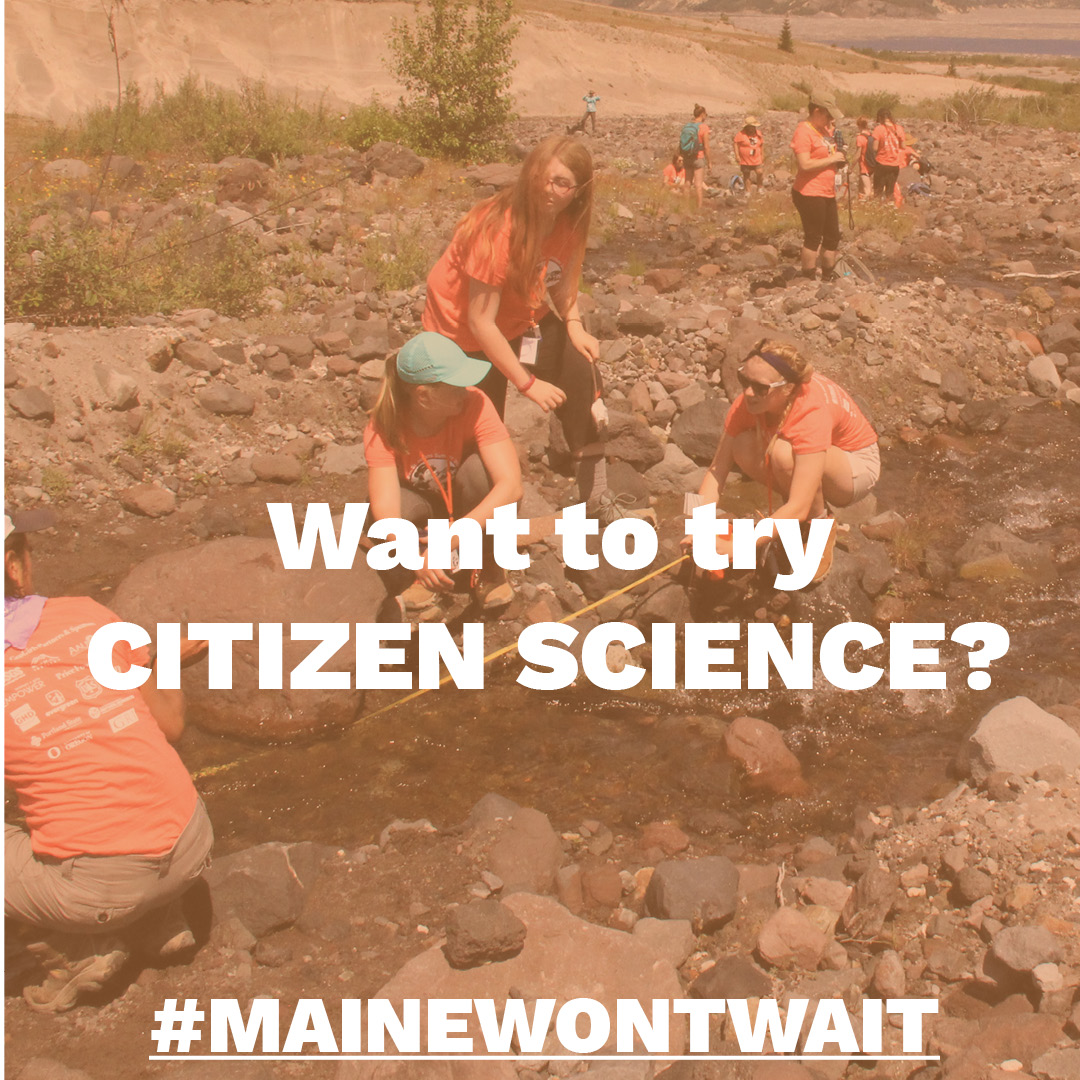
(1023, 46)
(1006, 31)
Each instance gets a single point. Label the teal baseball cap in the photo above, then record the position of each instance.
(432, 358)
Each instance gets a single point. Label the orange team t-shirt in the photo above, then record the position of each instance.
(672, 175)
(888, 144)
(447, 306)
(749, 149)
(823, 415)
(477, 425)
(808, 140)
(92, 770)
(860, 142)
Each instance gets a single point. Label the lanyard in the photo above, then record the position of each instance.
(447, 492)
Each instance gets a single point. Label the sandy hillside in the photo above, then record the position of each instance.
(59, 61)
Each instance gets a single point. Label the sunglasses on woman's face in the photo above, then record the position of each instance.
(562, 185)
(760, 389)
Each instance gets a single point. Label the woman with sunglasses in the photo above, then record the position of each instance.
(799, 434)
(506, 291)
(814, 189)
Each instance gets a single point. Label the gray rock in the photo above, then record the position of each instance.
(299, 348)
(993, 539)
(890, 979)
(481, 932)
(121, 390)
(675, 474)
(630, 440)
(1061, 336)
(67, 169)
(32, 403)
(972, 884)
(199, 356)
(1024, 948)
(732, 977)
(276, 468)
(225, 400)
(370, 341)
(390, 159)
(641, 321)
(147, 500)
(521, 846)
(342, 460)
(241, 579)
(1019, 737)
(697, 431)
(984, 417)
(1058, 1065)
(263, 886)
(1043, 376)
(790, 940)
(955, 385)
(671, 939)
(705, 891)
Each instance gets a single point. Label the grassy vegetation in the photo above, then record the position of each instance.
(1063, 63)
(150, 446)
(768, 217)
(400, 257)
(70, 272)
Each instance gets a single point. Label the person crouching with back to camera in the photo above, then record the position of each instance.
(115, 831)
(798, 433)
(436, 448)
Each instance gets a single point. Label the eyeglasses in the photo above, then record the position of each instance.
(760, 389)
(562, 185)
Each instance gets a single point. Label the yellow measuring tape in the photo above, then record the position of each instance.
(215, 770)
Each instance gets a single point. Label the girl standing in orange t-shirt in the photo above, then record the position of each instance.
(506, 290)
(814, 190)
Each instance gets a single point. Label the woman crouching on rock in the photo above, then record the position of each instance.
(799, 434)
(506, 290)
(436, 448)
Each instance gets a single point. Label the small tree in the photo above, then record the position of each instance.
(457, 70)
(951, 69)
(786, 42)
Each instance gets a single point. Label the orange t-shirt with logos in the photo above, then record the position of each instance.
(749, 149)
(92, 771)
(822, 183)
(888, 144)
(477, 425)
(446, 311)
(821, 416)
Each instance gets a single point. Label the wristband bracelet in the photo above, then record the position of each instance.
(528, 386)
(575, 319)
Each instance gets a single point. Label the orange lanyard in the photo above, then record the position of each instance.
(447, 492)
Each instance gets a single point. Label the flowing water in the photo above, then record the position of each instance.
(650, 755)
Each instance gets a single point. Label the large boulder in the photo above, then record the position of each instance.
(1019, 737)
(241, 579)
(564, 958)
(390, 159)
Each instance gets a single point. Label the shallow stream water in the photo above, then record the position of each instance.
(647, 755)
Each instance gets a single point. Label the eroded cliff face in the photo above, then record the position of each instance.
(58, 59)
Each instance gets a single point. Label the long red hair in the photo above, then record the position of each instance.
(483, 222)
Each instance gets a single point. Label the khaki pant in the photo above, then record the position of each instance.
(100, 893)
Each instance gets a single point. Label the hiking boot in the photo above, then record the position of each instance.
(163, 933)
(418, 598)
(829, 275)
(491, 589)
(610, 507)
(60, 991)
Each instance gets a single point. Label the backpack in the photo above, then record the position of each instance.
(689, 143)
(870, 157)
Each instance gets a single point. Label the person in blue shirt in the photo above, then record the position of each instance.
(590, 100)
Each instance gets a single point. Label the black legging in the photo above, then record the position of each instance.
(557, 362)
(885, 177)
(820, 221)
(469, 486)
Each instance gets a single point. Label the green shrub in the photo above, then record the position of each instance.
(456, 63)
(200, 120)
(867, 104)
(80, 274)
(399, 259)
(368, 124)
